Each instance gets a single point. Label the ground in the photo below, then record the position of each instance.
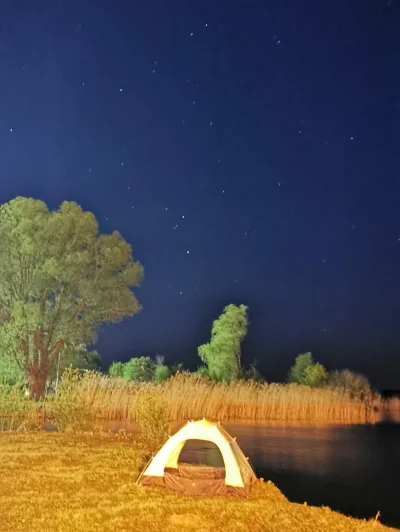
(71, 483)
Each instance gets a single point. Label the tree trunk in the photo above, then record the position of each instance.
(38, 371)
(37, 377)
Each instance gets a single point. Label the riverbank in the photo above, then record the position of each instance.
(69, 482)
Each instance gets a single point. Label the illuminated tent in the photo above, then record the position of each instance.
(236, 478)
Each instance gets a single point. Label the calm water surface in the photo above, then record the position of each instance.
(354, 469)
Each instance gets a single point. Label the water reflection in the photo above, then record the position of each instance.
(352, 469)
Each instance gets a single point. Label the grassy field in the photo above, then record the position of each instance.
(65, 482)
(189, 396)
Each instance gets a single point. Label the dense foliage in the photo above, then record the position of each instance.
(222, 355)
(60, 281)
(306, 372)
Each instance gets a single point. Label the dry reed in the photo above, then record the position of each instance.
(190, 396)
(393, 404)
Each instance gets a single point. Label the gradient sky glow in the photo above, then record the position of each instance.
(248, 150)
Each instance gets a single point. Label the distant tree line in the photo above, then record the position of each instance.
(144, 369)
(309, 373)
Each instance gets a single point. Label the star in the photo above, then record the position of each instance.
(206, 25)
(181, 293)
(187, 252)
(11, 129)
(351, 138)
(122, 164)
(120, 90)
(183, 216)
(223, 192)
(166, 208)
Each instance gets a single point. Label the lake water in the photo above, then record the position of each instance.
(354, 469)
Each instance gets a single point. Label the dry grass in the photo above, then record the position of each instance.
(190, 396)
(393, 403)
(73, 483)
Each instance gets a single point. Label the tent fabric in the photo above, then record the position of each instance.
(164, 470)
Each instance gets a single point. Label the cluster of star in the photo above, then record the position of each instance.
(300, 127)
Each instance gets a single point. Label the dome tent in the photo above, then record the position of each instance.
(236, 478)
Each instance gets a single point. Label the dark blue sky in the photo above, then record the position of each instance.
(260, 136)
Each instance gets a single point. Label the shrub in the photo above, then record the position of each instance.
(315, 376)
(355, 384)
(161, 373)
(202, 371)
(139, 369)
(116, 369)
(151, 414)
(307, 373)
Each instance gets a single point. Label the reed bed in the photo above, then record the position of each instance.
(190, 396)
(393, 404)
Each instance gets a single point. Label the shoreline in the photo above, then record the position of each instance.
(77, 482)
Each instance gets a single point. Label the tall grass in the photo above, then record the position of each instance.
(393, 404)
(71, 407)
(189, 396)
(18, 414)
(84, 402)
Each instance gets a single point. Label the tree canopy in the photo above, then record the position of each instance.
(222, 355)
(306, 372)
(61, 280)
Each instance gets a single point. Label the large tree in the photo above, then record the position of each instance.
(60, 280)
(222, 354)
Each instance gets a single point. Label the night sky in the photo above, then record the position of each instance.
(248, 151)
